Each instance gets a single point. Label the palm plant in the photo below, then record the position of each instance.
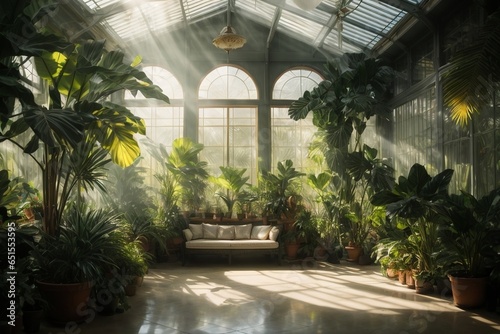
(80, 80)
(469, 84)
(189, 173)
(232, 182)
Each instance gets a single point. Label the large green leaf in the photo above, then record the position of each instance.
(115, 131)
(55, 127)
(469, 84)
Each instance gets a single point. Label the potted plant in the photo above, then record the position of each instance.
(281, 192)
(415, 200)
(132, 266)
(469, 239)
(68, 263)
(188, 173)
(232, 182)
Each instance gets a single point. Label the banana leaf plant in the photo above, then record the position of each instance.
(416, 200)
(80, 79)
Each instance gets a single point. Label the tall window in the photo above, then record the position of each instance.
(228, 120)
(164, 122)
(291, 139)
(416, 134)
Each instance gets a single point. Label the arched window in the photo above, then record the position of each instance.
(290, 139)
(164, 122)
(228, 126)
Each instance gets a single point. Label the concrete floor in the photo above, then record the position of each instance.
(255, 295)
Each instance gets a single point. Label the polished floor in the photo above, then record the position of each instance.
(255, 295)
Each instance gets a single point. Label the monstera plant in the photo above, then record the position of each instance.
(80, 79)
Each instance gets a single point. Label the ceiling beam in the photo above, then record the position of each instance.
(274, 26)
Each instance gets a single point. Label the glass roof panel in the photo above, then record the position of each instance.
(202, 8)
(99, 4)
(144, 18)
(293, 24)
(258, 10)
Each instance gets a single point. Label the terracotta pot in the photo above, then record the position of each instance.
(423, 287)
(292, 249)
(468, 292)
(391, 273)
(410, 280)
(67, 302)
(131, 288)
(402, 277)
(353, 253)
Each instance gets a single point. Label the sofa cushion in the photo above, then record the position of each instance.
(260, 232)
(225, 232)
(209, 231)
(242, 231)
(217, 244)
(188, 235)
(273, 234)
(197, 231)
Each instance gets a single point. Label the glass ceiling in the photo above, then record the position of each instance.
(336, 26)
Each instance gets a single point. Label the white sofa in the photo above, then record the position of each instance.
(228, 240)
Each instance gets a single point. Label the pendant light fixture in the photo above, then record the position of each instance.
(228, 39)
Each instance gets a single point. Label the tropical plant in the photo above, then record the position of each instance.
(280, 189)
(415, 200)
(189, 173)
(473, 71)
(470, 233)
(83, 250)
(80, 80)
(232, 182)
(356, 88)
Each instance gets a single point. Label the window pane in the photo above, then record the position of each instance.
(228, 82)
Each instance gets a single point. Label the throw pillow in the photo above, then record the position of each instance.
(197, 231)
(209, 231)
(260, 232)
(273, 234)
(225, 232)
(188, 234)
(242, 231)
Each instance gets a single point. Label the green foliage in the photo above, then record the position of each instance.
(189, 174)
(471, 232)
(417, 199)
(232, 181)
(83, 250)
(277, 189)
(469, 85)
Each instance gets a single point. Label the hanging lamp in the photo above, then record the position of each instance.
(228, 39)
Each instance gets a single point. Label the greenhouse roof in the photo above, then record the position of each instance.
(336, 26)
